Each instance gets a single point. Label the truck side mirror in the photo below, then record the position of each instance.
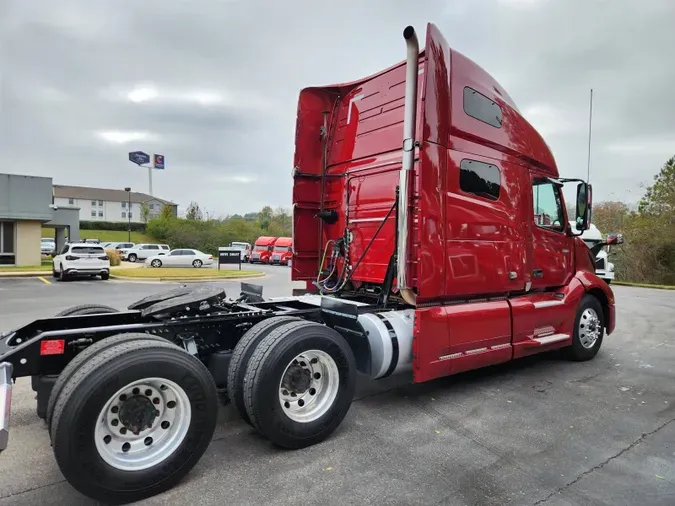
(583, 206)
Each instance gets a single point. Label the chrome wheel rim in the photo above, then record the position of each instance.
(129, 436)
(156, 263)
(309, 386)
(197, 263)
(590, 328)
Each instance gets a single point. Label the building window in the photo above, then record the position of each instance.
(93, 202)
(71, 201)
(93, 214)
(481, 179)
(482, 108)
(152, 206)
(100, 214)
(100, 202)
(130, 216)
(124, 205)
(124, 214)
(7, 243)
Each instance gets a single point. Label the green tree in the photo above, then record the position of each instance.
(166, 211)
(193, 212)
(145, 211)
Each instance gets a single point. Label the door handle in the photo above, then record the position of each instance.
(537, 273)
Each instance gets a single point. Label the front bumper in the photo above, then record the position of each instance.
(5, 402)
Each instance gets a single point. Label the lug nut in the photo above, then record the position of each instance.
(114, 409)
(115, 422)
(148, 392)
(314, 360)
(123, 397)
(312, 391)
(317, 375)
(301, 403)
(136, 391)
(155, 400)
(123, 430)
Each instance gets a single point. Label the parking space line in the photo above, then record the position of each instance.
(45, 280)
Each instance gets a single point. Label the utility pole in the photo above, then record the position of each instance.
(128, 190)
(590, 123)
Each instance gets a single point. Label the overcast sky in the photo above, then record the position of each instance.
(213, 84)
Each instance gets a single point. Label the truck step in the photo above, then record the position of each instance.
(553, 338)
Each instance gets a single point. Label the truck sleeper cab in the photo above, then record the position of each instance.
(262, 250)
(283, 251)
(430, 230)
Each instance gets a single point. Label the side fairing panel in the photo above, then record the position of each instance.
(452, 339)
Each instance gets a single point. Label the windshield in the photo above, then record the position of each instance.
(84, 250)
(260, 248)
(238, 245)
(281, 248)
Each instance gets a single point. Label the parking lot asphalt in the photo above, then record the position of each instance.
(539, 431)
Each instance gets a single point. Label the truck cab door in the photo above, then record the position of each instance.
(552, 252)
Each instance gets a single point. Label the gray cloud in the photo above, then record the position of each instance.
(224, 76)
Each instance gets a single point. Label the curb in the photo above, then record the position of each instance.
(643, 285)
(187, 280)
(25, 274)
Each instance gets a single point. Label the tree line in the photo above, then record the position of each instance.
(648, 252)
(195, 230)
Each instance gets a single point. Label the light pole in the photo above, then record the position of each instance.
(128, 190)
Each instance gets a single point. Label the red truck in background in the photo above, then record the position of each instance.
(283, 251)
(262, 250)
(447, 232)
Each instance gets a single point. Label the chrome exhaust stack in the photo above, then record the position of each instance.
(409, 125)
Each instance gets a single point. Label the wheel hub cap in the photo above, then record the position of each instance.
(142, 424)
(590, 328)
(309, 386)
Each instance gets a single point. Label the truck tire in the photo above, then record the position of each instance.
(299, 384)
(242, 354)
(83, 357)
(588, 330)
(87, 309)
(151, 408)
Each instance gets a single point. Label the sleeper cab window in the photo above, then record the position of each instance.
(480, 179)
(547, 205)
(482, 108)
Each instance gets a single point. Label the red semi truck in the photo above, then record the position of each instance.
(430, 229)
(262, 250)
(283, 251)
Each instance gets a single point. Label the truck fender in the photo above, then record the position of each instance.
(601, 290)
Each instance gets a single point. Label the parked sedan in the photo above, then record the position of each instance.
(180, 258)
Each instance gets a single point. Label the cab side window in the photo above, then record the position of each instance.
(548, 212)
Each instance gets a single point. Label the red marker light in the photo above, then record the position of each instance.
(53, 347)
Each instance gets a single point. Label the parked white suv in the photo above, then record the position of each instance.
(143, 251)
(81, 259)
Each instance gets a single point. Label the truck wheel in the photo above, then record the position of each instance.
(133, 421)
(242, 354)
(299, 384)
(85, 309)
(83, 357)
(588, 330)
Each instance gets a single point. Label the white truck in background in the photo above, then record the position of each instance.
(604, 269)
